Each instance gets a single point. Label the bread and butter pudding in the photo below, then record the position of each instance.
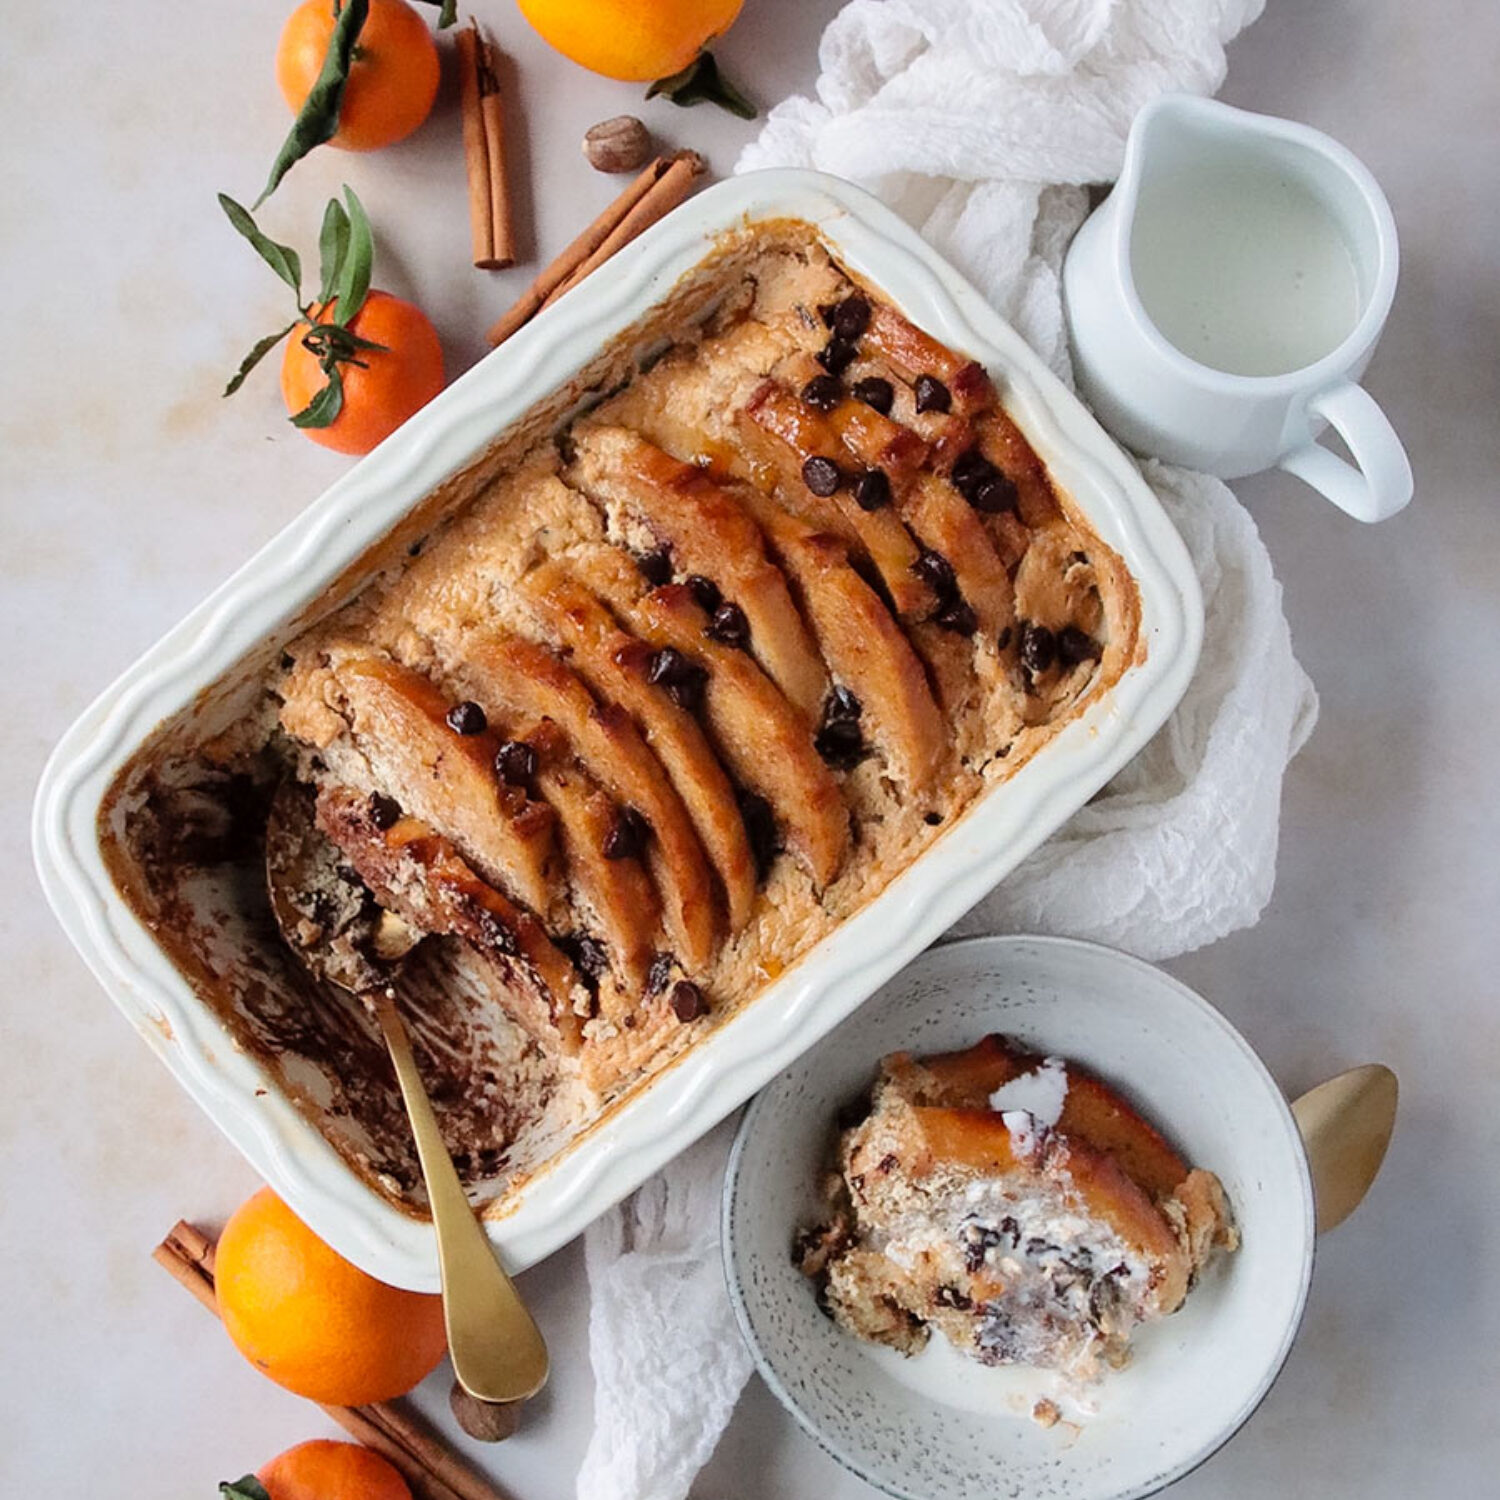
(638, 709)
(1015, 1204)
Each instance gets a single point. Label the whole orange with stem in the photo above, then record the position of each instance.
(637, 40)
(324, 1469)
(311, 1321)
(382, 387)
(393, 78)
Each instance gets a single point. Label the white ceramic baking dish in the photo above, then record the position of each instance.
(260, 602)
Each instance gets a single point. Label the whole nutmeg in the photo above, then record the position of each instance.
(622, 144)
(487, 1421)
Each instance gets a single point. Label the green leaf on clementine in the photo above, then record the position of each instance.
(248, 1488)
(358, 262)
(254, 357)
(449, 13)
(324, 408)
(333, 245)
(318, 118)
(701, 82)
(282, 259)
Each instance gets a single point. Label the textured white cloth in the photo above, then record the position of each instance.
(982, 121)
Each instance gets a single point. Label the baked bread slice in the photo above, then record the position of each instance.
(1016, 1204)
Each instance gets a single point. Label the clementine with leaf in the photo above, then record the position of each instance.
(360, 362)
(637, 40)
(311, 1321)
(392, 76)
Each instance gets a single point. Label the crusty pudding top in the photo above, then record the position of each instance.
(684, 685)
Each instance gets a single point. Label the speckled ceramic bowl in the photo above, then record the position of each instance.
(940, 1427)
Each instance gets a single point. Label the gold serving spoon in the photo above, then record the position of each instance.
(328, 921)
(1346, 1124)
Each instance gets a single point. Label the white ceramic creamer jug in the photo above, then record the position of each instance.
(1225, 298)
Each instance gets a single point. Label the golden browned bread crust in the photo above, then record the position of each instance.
(680, 701)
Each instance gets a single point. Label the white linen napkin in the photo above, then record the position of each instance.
(982, 121)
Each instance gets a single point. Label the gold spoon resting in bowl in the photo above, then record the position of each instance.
(327, 920)
(1346, 1124)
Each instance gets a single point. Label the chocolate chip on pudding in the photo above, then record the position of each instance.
(837, 355)
(656, 566)
(932, 395)
(872, 490)
(822, 476)
(467, 718)
(683, 679)
(823, 392)
(850, 317)
(385, 812)
(876, 393)
(1038, 648)
(705, 591)
(516, 762)
(627, 839)
(1075, 646)
(729, 626)
(687, 1001)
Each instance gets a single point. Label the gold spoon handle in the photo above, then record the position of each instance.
(1346, 1124)
(497, 1350)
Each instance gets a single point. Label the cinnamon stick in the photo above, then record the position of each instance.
(652, 195)
(482, 110)
(430, 1468)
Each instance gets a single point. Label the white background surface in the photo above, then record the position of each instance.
(129, 489)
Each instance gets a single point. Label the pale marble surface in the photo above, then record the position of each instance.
(129, 490)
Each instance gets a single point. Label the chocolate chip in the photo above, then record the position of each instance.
(705, 591)
(993, 496)
(1075, 646)
(683, 679)
(515, 762)
(837, 355)
(1038, 648)
(627, 838)
(385, 812)
(821, 475)
(877, 393)
(823, 392)
(841, 744)
(951, 1296)
(932, 394)
(415, 550)
(826, 311)
(841, 704)
(760, 831)
(971, 472)
(288, 661)
(656, 566)
(958, 617)
(729, 626)
(589, 955)
(978, 1240)
(467, 718)
(687, 1001)
(932, 819)
(851, 317)
(872, 490)
(935, 569)
(888, 1163)
(659, 975)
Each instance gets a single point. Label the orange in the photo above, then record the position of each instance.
(300, 1313)
(326, 1470)
(393, 78)
(384, 388)
(637, 40)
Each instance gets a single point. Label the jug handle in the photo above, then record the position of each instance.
(1382, 484)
